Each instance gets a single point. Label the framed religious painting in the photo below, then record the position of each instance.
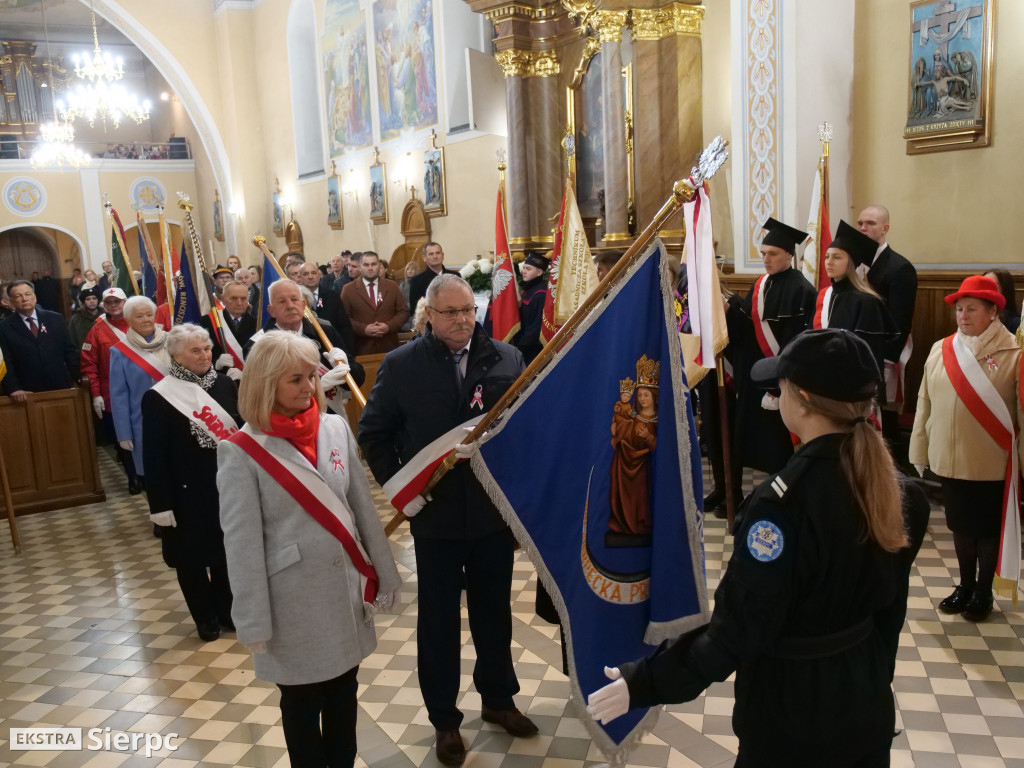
(435, 191)
(949, 101)
(278, 212)
(334, 219)
(378, 193)
(218, 217)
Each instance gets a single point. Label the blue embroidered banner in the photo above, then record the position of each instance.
(609, 510)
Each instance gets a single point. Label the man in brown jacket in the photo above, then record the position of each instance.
(376, 307)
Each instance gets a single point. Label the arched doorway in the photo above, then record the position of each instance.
(32, 252)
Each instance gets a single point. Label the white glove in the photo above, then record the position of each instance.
(165, 518)
(233, 373)
(224, 361)
(334, 377)
(770, 402)
(921, 469)
(97, 405)
(413, 507)
(256, 647)
(128, 445)
(337, 355)
(612, 701)
(469, 450)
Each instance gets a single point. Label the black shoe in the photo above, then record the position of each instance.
(226, 625)
(512, 720)
(208, 631)
(957, 601)
(135, 486)
(449, 748)
(714, 499)
(978, 607)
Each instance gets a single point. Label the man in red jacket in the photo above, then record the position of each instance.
(109, 329)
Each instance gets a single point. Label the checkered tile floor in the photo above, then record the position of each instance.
(94, 633)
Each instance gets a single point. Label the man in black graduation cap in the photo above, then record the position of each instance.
(777, 308)
(531, 306)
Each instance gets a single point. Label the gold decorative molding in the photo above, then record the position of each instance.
(609, 24)
(517, 63)
(590, 48)
(579, 9)
(518, 10)
(668, 21)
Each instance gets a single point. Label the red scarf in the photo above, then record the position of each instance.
(300, 431)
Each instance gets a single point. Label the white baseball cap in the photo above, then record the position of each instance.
(114, 293)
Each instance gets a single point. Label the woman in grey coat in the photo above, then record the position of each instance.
(307, 557)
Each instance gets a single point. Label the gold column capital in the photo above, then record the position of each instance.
(519, 63)
(667, 21)
(609, 25)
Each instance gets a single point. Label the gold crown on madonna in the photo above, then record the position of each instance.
(626, 386)
(647, 372)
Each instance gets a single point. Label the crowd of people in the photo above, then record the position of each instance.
(273, 519)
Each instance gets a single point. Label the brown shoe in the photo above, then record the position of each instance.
(512, 720)
(449, 748)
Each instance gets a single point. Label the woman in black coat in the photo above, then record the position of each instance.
(191, 410)
(809, 611)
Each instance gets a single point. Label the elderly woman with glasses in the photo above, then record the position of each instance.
(191, 410)
(307, 555)
(136, 364)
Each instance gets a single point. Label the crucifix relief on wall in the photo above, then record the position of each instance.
(947, 22)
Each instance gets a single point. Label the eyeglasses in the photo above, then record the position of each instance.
(452, 314)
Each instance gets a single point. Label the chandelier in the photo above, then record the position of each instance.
(55, 148)
(101, 66)
(101, 101)
(101, 98)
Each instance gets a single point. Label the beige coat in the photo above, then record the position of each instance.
(946, 436)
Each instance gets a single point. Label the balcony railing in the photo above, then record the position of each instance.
(175, 148)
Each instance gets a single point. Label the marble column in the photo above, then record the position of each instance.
(518, 195)
(616, 192)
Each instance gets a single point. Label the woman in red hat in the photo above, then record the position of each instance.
(968, 412)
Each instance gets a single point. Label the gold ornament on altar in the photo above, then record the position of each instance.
(647, 372)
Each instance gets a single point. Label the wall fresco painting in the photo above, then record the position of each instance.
(406, 72)
(347, 76)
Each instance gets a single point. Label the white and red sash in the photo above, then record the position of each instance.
(765, 338)
(230, 342)
(118, 333)
(822, 306)
(154, 367)
(412, 478)
(196, 405)
(311, 492)
(980, 397)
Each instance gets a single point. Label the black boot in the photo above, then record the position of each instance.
(957, 602)
(979, 606)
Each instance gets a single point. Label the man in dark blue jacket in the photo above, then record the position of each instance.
(37, 348)
(424, 389)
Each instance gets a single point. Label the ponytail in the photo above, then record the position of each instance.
(867, 466)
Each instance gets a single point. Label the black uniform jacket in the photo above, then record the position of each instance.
(415, 400)
(330, 308)
(38, 363)
(181, 475)
(866, 316)
(895, 280)
(531, 313)
(761, 440)
(803, 615)
(246, 328)
(358, 372)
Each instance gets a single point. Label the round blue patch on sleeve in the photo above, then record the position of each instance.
(764, 541)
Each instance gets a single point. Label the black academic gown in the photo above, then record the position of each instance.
(760, 439)
(804, 616)
(531, 312)
(866, 316)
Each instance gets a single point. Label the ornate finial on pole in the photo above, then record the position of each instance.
(258, 239)
(501, 155)
(185, 202)
(824, 136)
(106, 203)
